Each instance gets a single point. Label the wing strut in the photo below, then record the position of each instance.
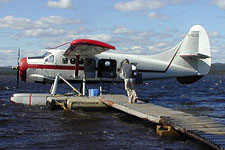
(77, 65)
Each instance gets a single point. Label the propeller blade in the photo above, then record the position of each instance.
(18, 69)
(18, 57)
(17, 78)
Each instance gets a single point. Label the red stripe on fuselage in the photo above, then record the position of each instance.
(59, 67)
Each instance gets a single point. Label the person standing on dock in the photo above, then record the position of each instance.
(127, 71)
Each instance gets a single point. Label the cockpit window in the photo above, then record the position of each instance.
(46, 54)
(50, 59)
(40, 57)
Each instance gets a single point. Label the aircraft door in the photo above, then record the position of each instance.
(107, 68)
(89, 67)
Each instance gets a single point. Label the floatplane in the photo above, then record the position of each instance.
(86, 61)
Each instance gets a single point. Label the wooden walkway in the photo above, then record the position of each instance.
(201, 128)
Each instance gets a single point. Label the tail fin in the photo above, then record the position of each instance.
(196, 46)
(195, 52)
(188, 61)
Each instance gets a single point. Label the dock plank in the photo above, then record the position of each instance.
(202, 128)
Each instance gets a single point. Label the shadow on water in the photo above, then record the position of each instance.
(24, 127)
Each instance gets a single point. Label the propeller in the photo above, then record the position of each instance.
(18, 69)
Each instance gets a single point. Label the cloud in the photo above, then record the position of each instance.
(142, 42)
(45, 27)
(8, 57)
(4, 1)
(219, 3)
(21, 23)
(156, 46)
(59, 20)
(154, 15)
(43, 32)
(135, 5)
(121, 30)
(215, 50)
(27, 24)
(66, 4)
(214, 34)
(99, 37)
(218, 52)
(161, 45)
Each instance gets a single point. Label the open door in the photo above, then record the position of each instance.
(89, 67)
(107, 68)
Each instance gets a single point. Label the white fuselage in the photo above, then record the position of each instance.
(190, 58)
(55, 63)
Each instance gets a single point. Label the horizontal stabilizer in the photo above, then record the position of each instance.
(196, 55)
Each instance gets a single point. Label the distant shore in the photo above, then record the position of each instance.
(7, 71)
(217, 68)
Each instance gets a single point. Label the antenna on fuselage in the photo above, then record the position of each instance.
(57, 46)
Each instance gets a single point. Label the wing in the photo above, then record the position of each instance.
(87, 47)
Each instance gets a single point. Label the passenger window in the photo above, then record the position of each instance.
(81, 61)
(72, 60)
(65, 61)
(50, 59)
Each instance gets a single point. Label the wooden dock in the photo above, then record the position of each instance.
(201, 128)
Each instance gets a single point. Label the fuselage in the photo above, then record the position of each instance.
(104, 67)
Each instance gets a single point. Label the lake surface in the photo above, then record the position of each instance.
(33, 127)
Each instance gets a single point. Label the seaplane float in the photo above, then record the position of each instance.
(86, 61)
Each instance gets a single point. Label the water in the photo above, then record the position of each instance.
(24, 127)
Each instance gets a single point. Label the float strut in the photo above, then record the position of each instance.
(54, 86)
(84, 86)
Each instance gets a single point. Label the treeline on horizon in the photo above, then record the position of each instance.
(217, 68)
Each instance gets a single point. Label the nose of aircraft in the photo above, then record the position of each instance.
(23, 68)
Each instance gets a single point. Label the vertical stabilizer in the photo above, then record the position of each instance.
(195, 51)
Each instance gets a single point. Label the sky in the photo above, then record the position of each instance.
(132, 26)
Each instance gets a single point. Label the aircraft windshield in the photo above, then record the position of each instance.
(46, 54)
(41, 57)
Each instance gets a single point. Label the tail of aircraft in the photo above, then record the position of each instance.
(190, 59)
(193, 53)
